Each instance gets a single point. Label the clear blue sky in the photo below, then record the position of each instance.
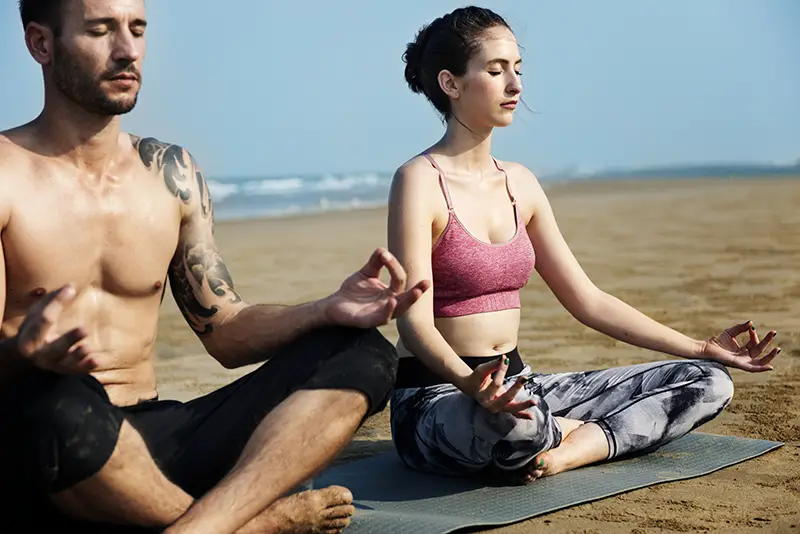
(255, 87)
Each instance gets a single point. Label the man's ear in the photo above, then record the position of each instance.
(40, 42)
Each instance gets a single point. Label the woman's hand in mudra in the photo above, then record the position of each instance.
(751, 356)
(490, 392)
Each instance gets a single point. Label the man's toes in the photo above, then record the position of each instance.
(336, 496)
(341, 511)
(339, 523)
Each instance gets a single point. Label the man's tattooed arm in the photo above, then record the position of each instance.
(234, 332)
(176, 166)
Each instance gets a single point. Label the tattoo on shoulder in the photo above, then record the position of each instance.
(196, 269)
(178, 168)
(205, 198)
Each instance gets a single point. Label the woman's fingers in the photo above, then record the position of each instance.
(759, 347)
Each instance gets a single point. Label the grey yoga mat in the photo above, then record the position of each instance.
(392, 499)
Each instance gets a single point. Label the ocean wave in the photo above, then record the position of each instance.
(324, 205)
(272, 187)
(221, 190)
(347, 182)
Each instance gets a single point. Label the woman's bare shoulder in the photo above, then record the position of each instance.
(416, 169)
(522, 180)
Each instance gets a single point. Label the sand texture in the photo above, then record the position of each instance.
(698, 255)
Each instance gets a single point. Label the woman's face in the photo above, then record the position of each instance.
(489, 91)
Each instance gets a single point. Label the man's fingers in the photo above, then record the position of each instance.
(407, 299)
(62, 344)
(397, 275)
(53, 307)
(77, 360)
(391, 309)
(422, 286)
(372, 269)
(404, 302)
(61, 355)
(42, 316)
(32, 334)
(64, 292)
(80, 361)
(380, 258)
(28, 336)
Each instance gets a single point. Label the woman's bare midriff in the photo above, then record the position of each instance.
(481, 334)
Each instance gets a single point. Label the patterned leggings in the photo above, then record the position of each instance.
(438, 429)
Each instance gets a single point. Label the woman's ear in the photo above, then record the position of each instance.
(449, 84)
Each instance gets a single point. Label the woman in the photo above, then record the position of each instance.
(464, 402)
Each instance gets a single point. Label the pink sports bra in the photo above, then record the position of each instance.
(472, 276)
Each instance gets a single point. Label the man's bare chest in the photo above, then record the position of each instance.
(118, 235)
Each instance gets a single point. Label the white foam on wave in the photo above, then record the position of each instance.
(330, 182)
(221, 190)
(273, 186)
(325, 205)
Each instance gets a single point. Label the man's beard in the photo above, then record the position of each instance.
(83, 89)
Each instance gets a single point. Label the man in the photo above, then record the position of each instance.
(93, 223)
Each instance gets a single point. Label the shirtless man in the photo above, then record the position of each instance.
(94, 221)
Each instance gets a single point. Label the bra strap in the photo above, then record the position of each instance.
(508, 185)
(442, 182)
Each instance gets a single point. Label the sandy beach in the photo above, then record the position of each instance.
(698, 255)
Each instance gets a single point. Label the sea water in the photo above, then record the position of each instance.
(255, 197)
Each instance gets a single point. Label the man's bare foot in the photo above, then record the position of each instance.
(323, 511)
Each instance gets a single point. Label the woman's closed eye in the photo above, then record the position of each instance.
(499, 72)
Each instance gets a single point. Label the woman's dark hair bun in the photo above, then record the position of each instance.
(413, 60)
(449, 42)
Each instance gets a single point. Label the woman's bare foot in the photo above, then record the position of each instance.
(567, 426)
(585, 444)
(526, 475)
(323, 511)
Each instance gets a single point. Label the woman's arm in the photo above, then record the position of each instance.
(605, 313)
(410, 223)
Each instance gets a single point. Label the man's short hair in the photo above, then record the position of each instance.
(45, 12)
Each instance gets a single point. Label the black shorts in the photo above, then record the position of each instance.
(58, 429)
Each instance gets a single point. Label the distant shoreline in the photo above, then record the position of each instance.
(665, 171)
(608, 184)
(683, 172)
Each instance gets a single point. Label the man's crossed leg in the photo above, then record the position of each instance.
(220, 463)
